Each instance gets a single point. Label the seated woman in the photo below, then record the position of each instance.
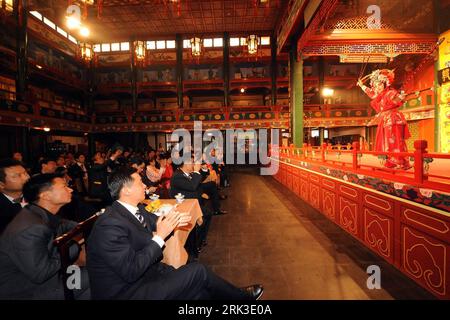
(139, 165)
(154, 172)
(168, 173)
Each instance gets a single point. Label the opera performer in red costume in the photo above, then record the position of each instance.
(392, 128)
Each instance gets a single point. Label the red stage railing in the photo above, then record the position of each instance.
(418, 175)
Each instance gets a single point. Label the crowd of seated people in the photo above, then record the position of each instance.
(36, 210)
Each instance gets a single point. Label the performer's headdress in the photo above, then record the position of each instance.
(382, 75)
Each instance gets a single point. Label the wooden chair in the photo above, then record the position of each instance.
(76, 236)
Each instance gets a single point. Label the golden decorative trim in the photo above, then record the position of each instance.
(304, 189)
(346, 223)
(314, 201)
(389, 207)
(312, 177)
(376, 243)
(329, 195)
(419, 273)
(349, 194)
(405, 213)
(332, 185)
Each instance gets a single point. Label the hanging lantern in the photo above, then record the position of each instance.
(252, 44)
(139, 50)
(196, 46)
(86, 51)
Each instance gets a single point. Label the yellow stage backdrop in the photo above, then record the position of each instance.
(444, 93)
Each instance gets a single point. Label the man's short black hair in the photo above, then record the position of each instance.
(38, 184)
(46, 160)
(7, 163)
(137, 161)
(61, 171)
(118, 179)
(78, 154)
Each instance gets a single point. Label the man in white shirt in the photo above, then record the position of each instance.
(125, 249)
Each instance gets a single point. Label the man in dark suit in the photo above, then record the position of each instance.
(29, 262)
(187, 180)
(12, 178)
(97, 180)
(125, 248)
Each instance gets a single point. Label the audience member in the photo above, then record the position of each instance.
(12, 178)
(47, 165)
(97, 179)
(153, 173)
(126, 245)
(29, 262)
(79, 174)
(17, 156)
(113, 162)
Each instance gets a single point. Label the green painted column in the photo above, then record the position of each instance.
(437, 129)
(179, 70)
(296, 98)
(226, 69)
(437, 29)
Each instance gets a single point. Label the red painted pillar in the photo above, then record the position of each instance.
(355, 149)
(421, 148)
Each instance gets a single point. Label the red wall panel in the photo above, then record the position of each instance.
(379, 233)
(348, 215)
(329, 204)
(314, 195)
(426, 260)
(413, 239)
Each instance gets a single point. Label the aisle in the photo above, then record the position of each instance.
(272, 237)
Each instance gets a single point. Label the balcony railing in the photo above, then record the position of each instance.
(429, 170)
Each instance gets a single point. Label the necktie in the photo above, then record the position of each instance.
(18, 200)
(141, 219)
(17, 204)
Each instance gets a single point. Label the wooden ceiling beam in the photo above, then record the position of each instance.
(355, 36)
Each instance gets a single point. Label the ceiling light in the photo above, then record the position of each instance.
(252, 44)
(86, 51)
(196, 46)
(84, 31)
(327, 92)
(139, 50)
(73, 23)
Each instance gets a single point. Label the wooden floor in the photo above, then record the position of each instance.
(270, 236)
